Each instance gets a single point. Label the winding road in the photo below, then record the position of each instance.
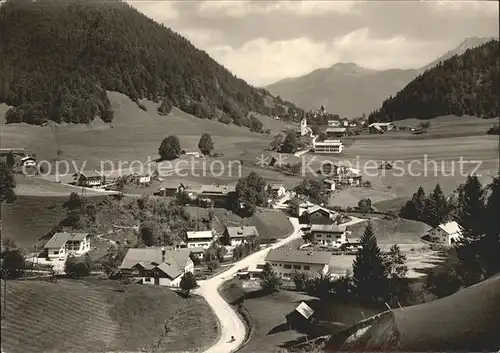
(230, 322)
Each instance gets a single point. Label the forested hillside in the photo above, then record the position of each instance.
(58, 59)
(462, 85)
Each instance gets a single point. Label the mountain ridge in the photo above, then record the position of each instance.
(59, 58)
(354, 95)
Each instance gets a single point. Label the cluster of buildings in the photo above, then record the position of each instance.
(21, 157)
(96, 179)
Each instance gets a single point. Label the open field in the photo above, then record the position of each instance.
(102, 316)
(268, 315)
(133, 135)
(395, 231)
(271, 224)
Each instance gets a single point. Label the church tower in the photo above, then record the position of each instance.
(303, 126)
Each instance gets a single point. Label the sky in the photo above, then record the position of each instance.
(265, 41)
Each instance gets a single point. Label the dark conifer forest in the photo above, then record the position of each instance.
(58, 59)
(462, 85)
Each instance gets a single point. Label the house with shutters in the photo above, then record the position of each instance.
(286, 261)
(331, 235)
(234, 236)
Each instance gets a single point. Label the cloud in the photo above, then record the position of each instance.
(202, 37)
(243, 8)
(474, 8)
(262, 62)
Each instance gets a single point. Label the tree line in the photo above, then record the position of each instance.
(464, 84)
(60, 57)
(475, 208)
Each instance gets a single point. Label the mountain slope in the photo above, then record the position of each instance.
(469, 43)
(350, 90)
(462, 85)
(59, 58)
(345, 89)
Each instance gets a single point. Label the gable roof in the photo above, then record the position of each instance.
(168, 184)
(329, 228)
(451, 227)
(276, 186)
(202, 234)
(89, 174)
(242, 232)
(304, 310)
(299, 256)
(329, 181)
(336, 129)
(59, 239)
(217, 189)
(317, 208)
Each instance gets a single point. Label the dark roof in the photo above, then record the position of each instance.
(242, 232)
(90, 174)
(149, 258)
(299, 256)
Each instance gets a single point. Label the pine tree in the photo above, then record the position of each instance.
(470, 215)
(437, 207)
(369, 271)
(7, 183)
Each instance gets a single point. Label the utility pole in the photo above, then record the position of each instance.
(4, 297)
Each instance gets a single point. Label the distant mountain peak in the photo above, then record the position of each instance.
(467, 43)
(350, 68)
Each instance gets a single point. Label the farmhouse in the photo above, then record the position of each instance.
(142, 178)
(446, 234)
(328, 146)
(20, 152)
(329, 184)
(170, 188)
(234, 236)
(300, 206)
(380, 128)
(336, 132)
(317, 215)
(285, 261)
(217, 194)
(199, 239)
(330, 235)
(28, 162)
(277, 190)
(300, 317)
(89, 178)
(157, 266)
(63, 244)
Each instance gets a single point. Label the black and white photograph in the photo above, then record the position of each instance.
(251, 176)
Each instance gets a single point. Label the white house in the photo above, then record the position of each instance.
(328, 146)
(285, 262)
(200, 239)
(278, 189)
(142, 178)
(28, 161)
(157, 266)
(446, 234)
(331, 235)
(234, 236)
(63, 244)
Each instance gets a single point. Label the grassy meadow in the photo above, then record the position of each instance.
(102, 316)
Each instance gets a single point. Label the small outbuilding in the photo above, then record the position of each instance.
(300, 317)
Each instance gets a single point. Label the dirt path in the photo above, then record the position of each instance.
(230, 323)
